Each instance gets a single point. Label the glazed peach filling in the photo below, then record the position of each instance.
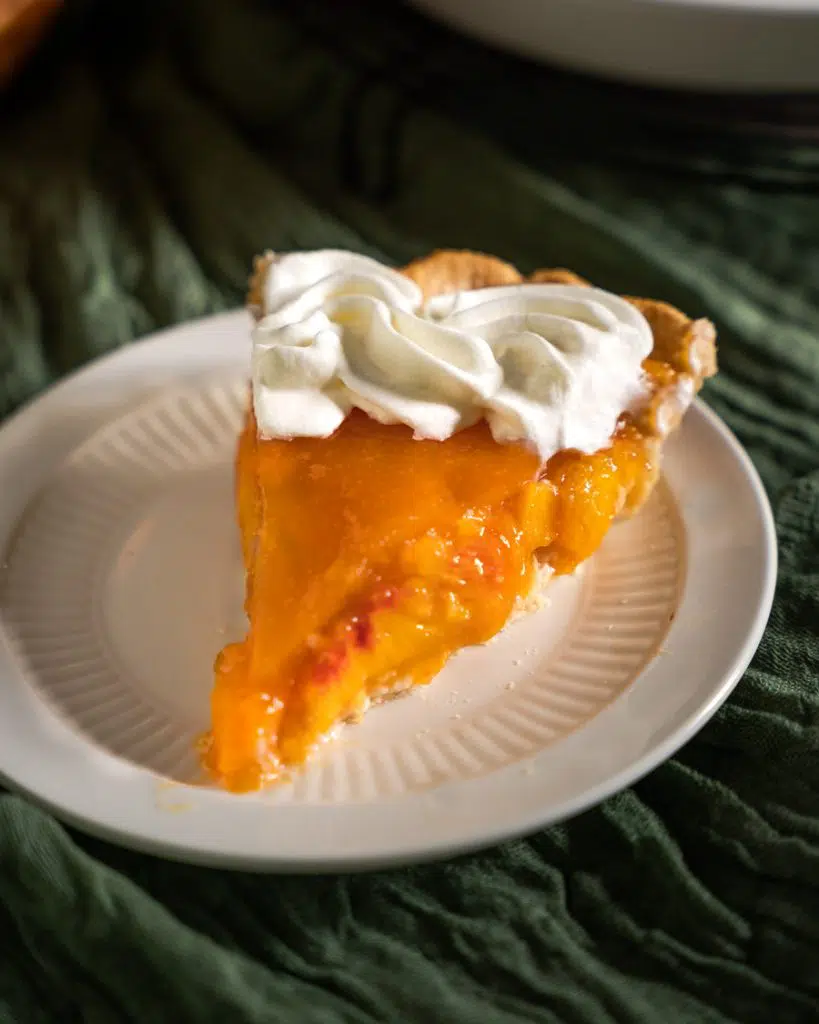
(371, 557)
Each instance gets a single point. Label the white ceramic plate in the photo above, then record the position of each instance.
(721, 45)
(121, 579)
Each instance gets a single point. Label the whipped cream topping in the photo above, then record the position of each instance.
(550, 366)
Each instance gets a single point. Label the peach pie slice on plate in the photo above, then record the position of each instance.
(436, 479)
(423, 450)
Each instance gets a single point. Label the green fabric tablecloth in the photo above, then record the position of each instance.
(144, 157)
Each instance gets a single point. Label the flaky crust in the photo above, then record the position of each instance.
(451, 270)
(255, 286)
(687, 346)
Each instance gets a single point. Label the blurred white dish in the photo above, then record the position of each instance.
(719, 45)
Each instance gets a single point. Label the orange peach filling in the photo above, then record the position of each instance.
(371, 557)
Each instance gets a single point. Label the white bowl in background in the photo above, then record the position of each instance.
(713, 45)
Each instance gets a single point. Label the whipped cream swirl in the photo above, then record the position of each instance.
(550, 366)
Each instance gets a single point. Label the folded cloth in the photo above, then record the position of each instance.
(147, 152)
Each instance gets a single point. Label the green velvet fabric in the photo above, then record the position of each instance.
(145, 155)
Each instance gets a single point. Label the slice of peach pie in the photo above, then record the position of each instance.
(422, 450)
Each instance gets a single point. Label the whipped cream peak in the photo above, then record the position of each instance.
(547, 365)
(302, 278)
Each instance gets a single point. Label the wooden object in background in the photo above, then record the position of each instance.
(22, 23)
